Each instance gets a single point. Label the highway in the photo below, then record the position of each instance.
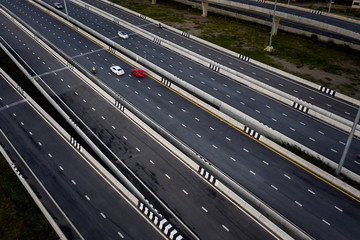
(82, 203)
(302, 197)
(208, 213)
(340, 21)
(313, 134)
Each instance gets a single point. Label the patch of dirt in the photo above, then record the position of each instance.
(333, 81)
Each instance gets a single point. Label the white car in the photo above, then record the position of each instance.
(117, 70)
(123, 35)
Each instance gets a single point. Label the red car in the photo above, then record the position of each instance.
(138, 72)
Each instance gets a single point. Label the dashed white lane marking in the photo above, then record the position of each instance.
(212, 128)
(357, 162)
(171, 116)
(274, 119)
(197, 119)
(233, 159)
(103, 215)
(257, 111)
(137, 149)
(183, 125)
(333, 150)
(311, 98)
(329, 105)
(274, 187)
(225, 228)
(168, 176)
(347, 113)
(185, 192)
(267, 106)
(245, 150)
(73, 181)
(40, 144)
(125, 137)
(228, 139)
(321, 132)
(265, 162)
(49, 154)
(215, 147)
(252, 99)
(122, 236)
(287, 176)
(338, 208)
(292, 129)
(198, 135)
(311, 191)
(298, 203)
(326, 222)
(205, 210)
(61, 168)
(151, 161)
(87, 197)
(284, 114)
(312, 139)
(252, 173)
(302, 123)
(103, 118)
(113, 127)
(341, 142)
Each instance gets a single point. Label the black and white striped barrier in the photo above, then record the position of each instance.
(207, 175)
(214, 68)
(185, 34)
(21, 91)
(244, 58)
(75, 143)
(157, 41)
(300, 107)
(261, 1)
(119, 105)
(16, 169)
(252, 133)
(317, 12)
(327, 90)
(166, 82)
(161, 223)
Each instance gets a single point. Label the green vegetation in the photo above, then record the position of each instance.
(317, 162)
(250, 39)
(20, 218)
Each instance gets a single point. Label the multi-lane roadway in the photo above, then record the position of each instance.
(309, 202)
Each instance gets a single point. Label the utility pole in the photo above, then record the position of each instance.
(66, 11)
(269, 47)
(348, 142)
(330, 6)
